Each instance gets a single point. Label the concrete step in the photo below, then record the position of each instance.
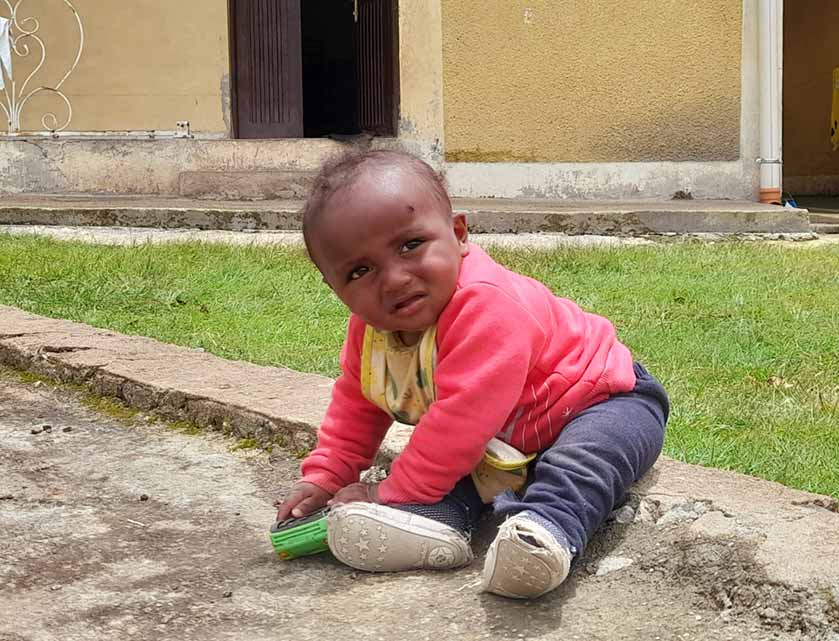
(491, 215)
(245, 185)
(825, 222)
(824, 217)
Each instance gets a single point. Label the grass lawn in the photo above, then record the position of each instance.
(745, 337)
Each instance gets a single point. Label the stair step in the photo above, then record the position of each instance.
(245, 185)
(825, 228)
(490, 215)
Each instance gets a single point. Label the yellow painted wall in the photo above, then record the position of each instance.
(811, 51)
(146, 63)
(582, 81)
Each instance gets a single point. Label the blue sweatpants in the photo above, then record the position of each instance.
(585, 473)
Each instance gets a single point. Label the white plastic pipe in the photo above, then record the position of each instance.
(770, 65)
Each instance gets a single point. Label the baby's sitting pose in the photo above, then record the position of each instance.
(520, 399)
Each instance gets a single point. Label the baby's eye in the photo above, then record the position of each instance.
(411, 244)
(357, 273)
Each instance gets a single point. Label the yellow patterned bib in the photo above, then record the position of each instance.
(399, 378)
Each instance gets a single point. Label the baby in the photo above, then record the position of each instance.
(520, 399)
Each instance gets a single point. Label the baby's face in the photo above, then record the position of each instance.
(390, 250)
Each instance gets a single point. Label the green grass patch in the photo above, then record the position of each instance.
(112, 407)
(745, 337)
(29, 377)
(184, 427)
(245, 444)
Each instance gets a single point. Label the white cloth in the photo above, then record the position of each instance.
(5, 50)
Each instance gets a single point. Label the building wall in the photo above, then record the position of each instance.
(146, 64)
(579, 81)
(811, 52)
(125, 165)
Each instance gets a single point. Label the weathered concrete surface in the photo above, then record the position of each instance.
(271, 405)
(128, 530)
(266, 403)
(245, 185)
(825, 222)
(119, 165)
(492, 215)
(150, 212)
(629, 216)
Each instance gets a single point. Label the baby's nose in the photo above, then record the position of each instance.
(396, 278)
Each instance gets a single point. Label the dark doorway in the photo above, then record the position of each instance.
(314, 68)
(330, 68)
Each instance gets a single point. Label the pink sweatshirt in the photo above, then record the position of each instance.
(513, 361)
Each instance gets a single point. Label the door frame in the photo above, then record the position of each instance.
(233, 82)
(395, 72)
(396, 53)
(231, 75)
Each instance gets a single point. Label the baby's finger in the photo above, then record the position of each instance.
(309, 504)
(285, 508)
(282, 512)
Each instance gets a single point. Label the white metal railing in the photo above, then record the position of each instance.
(20, 40)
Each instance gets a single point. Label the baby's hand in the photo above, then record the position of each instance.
(367, 492)
(303, 499)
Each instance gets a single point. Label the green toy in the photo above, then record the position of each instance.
(296, 537)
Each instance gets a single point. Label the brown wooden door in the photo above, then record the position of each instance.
(376, 29)
(268, 69)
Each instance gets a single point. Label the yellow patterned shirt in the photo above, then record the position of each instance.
(399, 379)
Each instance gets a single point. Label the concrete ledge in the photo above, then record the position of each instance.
(163, 213)
(484, 215)
(272, 405)
(275, 404)
(630, 217)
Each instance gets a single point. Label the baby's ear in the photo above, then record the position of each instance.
(461, 232)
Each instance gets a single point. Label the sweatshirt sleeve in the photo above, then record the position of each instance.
(488, 343)
(353, 427)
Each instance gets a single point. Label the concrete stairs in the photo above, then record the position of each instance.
(490, 215)
(824, 223)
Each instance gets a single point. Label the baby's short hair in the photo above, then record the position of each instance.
(343, 171)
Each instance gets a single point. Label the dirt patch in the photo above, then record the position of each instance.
(725, 573)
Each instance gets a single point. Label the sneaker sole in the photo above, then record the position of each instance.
(376, 538)
(518, 573)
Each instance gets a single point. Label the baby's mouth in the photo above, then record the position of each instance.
(407, 304)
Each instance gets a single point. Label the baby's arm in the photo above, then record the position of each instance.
(348, 438)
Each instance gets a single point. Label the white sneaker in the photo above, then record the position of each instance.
(524, 561)
(378, 538)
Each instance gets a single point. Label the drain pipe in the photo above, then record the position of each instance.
(770, 64)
